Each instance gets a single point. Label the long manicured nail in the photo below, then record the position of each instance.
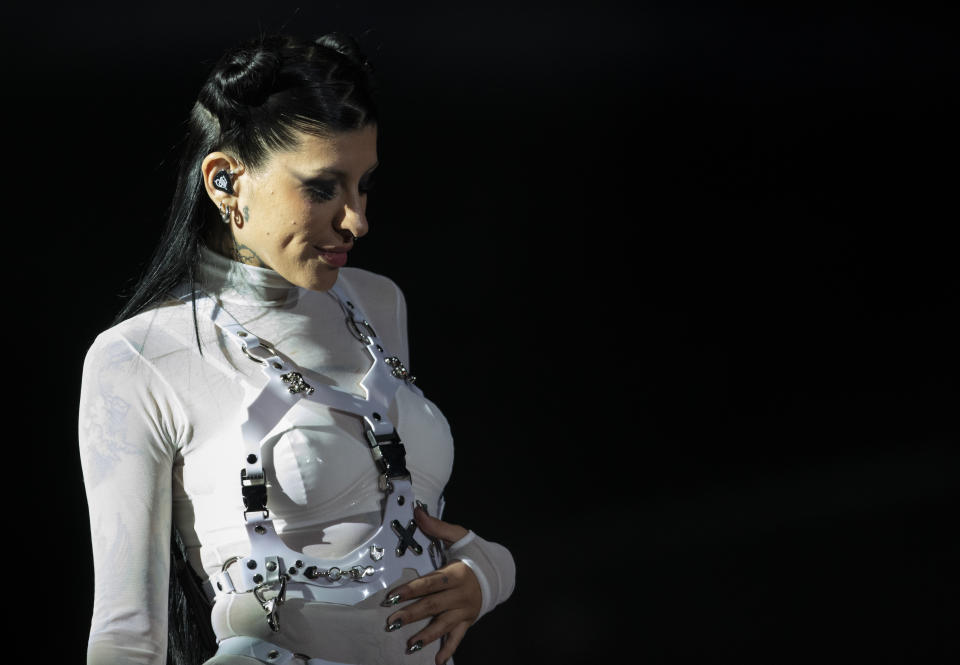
(416, 646)
(391, 600)
(396, 624)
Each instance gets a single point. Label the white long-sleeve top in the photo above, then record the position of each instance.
(159, 440)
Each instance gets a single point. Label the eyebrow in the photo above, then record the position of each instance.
(342, 174)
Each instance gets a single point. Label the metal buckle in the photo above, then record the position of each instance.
(390, 459)
(270, 606)
(254, 492)
(354, 327)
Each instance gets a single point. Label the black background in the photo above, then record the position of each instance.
(681, 275)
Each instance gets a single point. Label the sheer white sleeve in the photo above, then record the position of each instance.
(493, 565)
(127, 450)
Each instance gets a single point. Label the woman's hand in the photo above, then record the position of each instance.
(451, 595)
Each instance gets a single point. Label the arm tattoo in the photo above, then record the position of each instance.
(244, 254)
(246, 213)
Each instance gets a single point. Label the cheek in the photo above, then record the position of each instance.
(298, 215)
(298, 227)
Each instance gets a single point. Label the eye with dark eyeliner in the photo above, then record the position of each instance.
(321, 190)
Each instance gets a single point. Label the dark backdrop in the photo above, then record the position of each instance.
(680, 274)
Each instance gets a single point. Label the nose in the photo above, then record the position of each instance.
(355, 219)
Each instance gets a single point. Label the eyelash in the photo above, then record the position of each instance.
(322, 195)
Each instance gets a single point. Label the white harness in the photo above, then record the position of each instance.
(371, 567)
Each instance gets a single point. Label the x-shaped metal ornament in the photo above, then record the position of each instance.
(406, 537)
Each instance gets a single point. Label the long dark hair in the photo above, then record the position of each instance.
(255, 101)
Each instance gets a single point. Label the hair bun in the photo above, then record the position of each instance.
(243, 78)
(346, 46)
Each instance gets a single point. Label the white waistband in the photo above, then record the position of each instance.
(266, 652)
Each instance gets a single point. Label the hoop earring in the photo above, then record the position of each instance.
(224, 212)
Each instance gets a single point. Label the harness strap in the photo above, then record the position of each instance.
(374, 565)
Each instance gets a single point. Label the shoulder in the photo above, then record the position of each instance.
(127, 400)
(133, 344)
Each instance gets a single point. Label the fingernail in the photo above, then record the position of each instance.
(396, 624)
(416, 646)
(391, 600)
(421, 505)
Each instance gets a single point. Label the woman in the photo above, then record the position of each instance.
(249, 347)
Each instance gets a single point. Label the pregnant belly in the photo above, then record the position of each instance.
(343, 633)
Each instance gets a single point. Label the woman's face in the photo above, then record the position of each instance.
(299, 212)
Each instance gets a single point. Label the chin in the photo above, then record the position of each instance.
(322, 280)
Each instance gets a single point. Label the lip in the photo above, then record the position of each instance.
(334, 256)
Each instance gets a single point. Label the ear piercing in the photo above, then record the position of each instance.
(223, 181)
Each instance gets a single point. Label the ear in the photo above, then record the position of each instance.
(211, 167)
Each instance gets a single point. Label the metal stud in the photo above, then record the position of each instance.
(271, 566)
(376, 552)
(251, 564)
(251, 459)
(400, 500)
(257, 578)
(296, 383)
(358, 572)
(399, 371)
(273, 654)
(259, 529)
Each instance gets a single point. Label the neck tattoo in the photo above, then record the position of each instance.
(244, 254)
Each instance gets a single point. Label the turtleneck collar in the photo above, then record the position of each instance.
(234, 282)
